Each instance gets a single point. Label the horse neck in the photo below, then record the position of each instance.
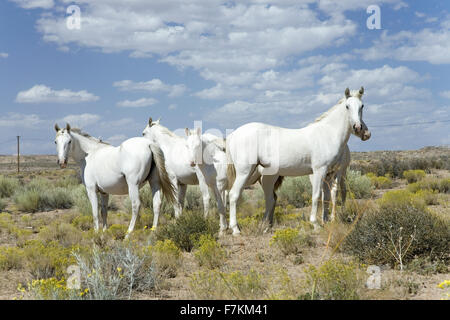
(82, 146)
(166, 141)
(339, 123)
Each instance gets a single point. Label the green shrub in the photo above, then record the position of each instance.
(209, 253)
(383, 182)
(118, 231)
(11, 258)
(400, 198)
(46, 260)
(8, 186)
(81, 200)
(40, 195)
(220, 285)
(187, 229)
(380, 232)
(290, 240)
(333, 280)
(429, 183)
(359, 185)
(295, 191)
(167, 256)
(65, 234)
(83, 222)
(3, 205)
(413, 175)
(428, 196)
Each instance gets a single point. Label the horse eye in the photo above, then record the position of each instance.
(346, 107)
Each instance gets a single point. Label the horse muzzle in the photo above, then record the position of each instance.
(365, 135)
(62, 164)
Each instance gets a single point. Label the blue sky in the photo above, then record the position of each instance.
(224, 63)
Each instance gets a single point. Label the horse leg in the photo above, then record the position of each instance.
(92, 195)
(181, 194)
(326, 190)
(334, 190)
(316, 181)
(343, 188)
(157, 199)
(221, 208)
(268, 184)
(105, 199)
(133, 192)
(235, 193)
(205, 194)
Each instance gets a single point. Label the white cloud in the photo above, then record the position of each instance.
(81, 120)
(117, 139)
(4, 55)
(41, 93)
(17, 120)
(425, 45)
(143, 102)
(445, 94)
(33, 4)
(154, 85)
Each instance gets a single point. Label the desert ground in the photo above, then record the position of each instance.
(46, 218)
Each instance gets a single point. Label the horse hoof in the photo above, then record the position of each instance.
(236, 233)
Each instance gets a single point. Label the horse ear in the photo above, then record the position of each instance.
(150, 121)
(361, 91)
(199, 131)
(187, 131)
(68, 127)
(347, 93)
(57, 128)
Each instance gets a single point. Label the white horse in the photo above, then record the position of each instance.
(207, 152)
(276, 152)
(112, 170)
(179, 166)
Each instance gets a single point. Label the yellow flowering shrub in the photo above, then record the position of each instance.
(51, 289)
(333, 280)
(167, 256)
(413, 175)
(290, 240)
(209, 253)
(445, 285)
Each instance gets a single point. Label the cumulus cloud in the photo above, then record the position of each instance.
(18, 120)
(445, 94)
(43, 94)
(33, 4)
(143, 102)
(426, 45)
(81, 120)
(154, 85)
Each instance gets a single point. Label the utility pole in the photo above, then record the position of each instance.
(18, 154)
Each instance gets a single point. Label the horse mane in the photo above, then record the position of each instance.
(165, 130)
(326, 113)
(86, 135)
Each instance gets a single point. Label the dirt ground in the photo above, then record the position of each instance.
(243, 253)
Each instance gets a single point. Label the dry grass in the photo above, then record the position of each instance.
(280, 275)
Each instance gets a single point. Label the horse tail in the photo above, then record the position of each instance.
(231, 170)
(278, 183)
(166, 185)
